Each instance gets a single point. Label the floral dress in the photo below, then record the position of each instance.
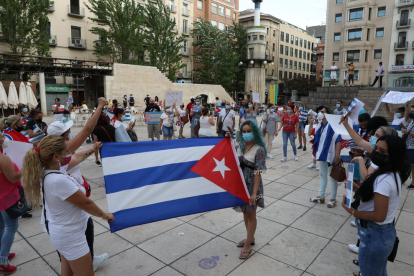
(252, 163)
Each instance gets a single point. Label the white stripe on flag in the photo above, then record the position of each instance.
(157, 193)
(143, 160)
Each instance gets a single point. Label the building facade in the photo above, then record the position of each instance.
(317, 31)
(359, 31)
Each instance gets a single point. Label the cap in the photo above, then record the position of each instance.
(58, 128)
(192, 97)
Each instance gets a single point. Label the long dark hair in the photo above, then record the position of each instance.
(396, 157)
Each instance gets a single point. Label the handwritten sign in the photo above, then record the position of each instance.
(256, 97)
(173, 97)
(394, 97)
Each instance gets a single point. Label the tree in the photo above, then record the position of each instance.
(121, 30)
(238, 34)
(164, 45)
(300, 84)
(23, 26)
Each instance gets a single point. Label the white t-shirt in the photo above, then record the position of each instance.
(398, 121)
(386, 186)
(333, 69)
(62, 215)
(181, 112)
(228, 120)
(118, 123)
(205, 127)
(166, 121)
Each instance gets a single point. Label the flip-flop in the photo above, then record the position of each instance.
(244, 257)
(356, 262)
(242, 243)
(317, 200)
(359, 274)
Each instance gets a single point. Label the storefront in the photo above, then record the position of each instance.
(53, 92)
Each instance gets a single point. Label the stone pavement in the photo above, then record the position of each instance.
(294, 236)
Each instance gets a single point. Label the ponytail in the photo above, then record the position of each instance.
(32, 174)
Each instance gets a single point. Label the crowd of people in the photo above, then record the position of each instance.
(53, 180)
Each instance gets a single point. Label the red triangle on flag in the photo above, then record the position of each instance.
(221, 167)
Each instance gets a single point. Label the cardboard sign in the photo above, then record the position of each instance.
(394, 97)
(334, 120)
(173, 97)
(356, 107)
(349, 185)
(256, 97)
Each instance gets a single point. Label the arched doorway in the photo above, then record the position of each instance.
(203, 98)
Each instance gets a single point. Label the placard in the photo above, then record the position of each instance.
(69, 100)
(173, 97)
(378, 105)
(349, 185)
(16, 151)
(395, 97)
(334, 120)
(356, 107)
(256, 97)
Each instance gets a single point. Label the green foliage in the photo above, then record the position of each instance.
(219, 52)
(302, 85)
(23, 26)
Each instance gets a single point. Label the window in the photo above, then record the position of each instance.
(185, 9)
(381, 11)
(280, 75)
(301, 42)
(296, 41)
(221, 26)
(291, 51)
(214, 8)
(285, 74)
(338, 17)
(251, 51)
(369, 14)
(267, 31)
(273, 72)
(378, 54)
(292, 39)
(291, 64)
(261, 37)
(49, 30)
(228, 28)
(300, 53)
(335, 56)
(267, 44)
(287, 37)
(221, 10)
(354, 34)
(290, 75)
(281, 50)
(286, 50)
(399, 60)
(404, 18)
(309, 45)
(402, 38)
(185, 48)
(352, 55)
(379, 32)
(368, 33)
(304, 43)
(308, 56)
(337, 36)
(307, 67)
(338, 1)
(214, 23)
(185, 26)
(281, 62)
(366, 55)
(304, 55)
(294, 75)
(274, 33)
(282, 36)
(296, 53)
(75, 33)
(300, 65)
(286, 63)
(274, 47)
(200, 4)
(234, 16)
(356, 14)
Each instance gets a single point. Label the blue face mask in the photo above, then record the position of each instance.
(248, 137)
(197, 103)
(272, 110)
(70, 135)
(227, 107)
(373, 141)
(338, 105)
(250, 105)
(25, 110)
(123, 118)
(398, 115)
(65, 119)
(300, 108)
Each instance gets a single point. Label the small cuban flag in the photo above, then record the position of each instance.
(219, 108)
(153, 181)
(303, 115)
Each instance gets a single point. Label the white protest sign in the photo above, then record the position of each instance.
(378, 104)
(173, 97)
(16, 151)
(334, 120)
(394, 97)
(356, 107)
(349, 185)
(256, 97)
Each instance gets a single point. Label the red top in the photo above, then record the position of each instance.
(189, 107)
(15, 135)
(289, 123)
(9, 194)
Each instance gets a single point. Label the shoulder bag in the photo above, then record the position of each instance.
(338, 171)
(220, 124)
(184, 119)
(20, 207)
(393, 254)
(107, 133)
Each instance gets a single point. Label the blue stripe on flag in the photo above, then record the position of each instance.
(117, 149)
(143, 177)
(175, 208)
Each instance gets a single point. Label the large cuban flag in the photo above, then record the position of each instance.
(152, 181)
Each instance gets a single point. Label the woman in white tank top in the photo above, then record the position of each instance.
(206, 122)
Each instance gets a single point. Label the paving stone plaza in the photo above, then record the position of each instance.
(294, 236)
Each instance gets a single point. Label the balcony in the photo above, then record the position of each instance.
(400, 46)
(186, 12)
(77, 43)
(405, 3)
(173, 9)
(76, 11)
(403, 24)
(53, 40)
(51, 6)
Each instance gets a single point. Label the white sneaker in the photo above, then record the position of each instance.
(317, 168)
(283, 159)
(99, 260)
(353, 223)
(270, 156)
(353, 248)
(296, 158)
(311, 166)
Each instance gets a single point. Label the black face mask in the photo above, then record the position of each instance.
(411, 115)
(19, 128)
(151, 104)
(38, 121)
(378, 158)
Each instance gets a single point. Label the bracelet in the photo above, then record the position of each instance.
(353, 212)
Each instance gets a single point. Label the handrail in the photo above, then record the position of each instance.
(69, 59)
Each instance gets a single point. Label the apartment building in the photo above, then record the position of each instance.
(359, 31)
(291, 49)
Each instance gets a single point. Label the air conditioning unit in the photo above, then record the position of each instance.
(51, 4)
(52, 41)
(180, 75)
(99, 43)
(78, 42)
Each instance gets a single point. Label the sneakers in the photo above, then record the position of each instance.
(26, 215)
(283, 159)
(99, 260)
(411, 187)
(311, 166)
(7, 270)
(98, 163)
(353, 223)
(317, 168)
(353, 248)
(304, 148)
(300, 147)
(296, 158)
(270, 156)
(11, 256)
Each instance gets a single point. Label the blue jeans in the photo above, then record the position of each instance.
(167, 131)
(376, 244)
(289, 135)
(8, 228)
(324, 172)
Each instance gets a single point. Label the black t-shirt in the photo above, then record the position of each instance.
(154, 108)
(147, 100)
(131, 99)
(103, 135)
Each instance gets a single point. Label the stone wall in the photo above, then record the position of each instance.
(142, 80)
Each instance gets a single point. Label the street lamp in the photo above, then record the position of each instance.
(251, 62)
(265, 62)
(240, 63)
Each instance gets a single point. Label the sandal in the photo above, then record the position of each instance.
(243, 256)
(356, 262)
(331, 204)
(358, 274)
(242, 243)
(318, 200)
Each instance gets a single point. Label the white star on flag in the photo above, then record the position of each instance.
(221, 167)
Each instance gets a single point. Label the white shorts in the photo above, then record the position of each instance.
(71, 245)
(333, 75)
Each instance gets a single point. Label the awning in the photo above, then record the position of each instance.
(57, 89)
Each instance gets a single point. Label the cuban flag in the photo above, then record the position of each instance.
(303, 115)
(219, 108)
(153, 181)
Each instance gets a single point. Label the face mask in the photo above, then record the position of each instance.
(6, 142)
(227, 107)
(411, 115)
(25, 110)
(300, 108)
(289, 112)
(338, 105)
(248, 137)
(272, 110)
(65, 119)
(320, 116)
(70, 136)
(38, 121)
(19, 128)
(123, 118)
(398, 115)
(197, 103)
(373, 141)
(378, 158)
(250, 105)
(66, 160)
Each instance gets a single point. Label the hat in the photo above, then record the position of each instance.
(58, 128)
(192, 97)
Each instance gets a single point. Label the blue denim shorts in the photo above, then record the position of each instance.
(167, 131)
(301, 125)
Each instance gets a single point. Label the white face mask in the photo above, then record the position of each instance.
(321, 116)
(5, 142)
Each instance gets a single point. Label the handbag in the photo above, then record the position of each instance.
(133, 135)
(184, 119)
(20, 207)
(338, 171)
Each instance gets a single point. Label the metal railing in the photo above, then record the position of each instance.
(405, 3)
(404, 23)
(76, 11)
(77, 42)
(400, 46)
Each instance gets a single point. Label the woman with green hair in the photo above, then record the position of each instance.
(252, 157)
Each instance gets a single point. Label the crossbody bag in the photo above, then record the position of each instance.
(107, 133)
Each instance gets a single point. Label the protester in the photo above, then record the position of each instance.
(399, 117)
(125, 101)
(218, 102)
(119, 114)
(153, 128)
(157, 101)
(242, 112)
(25, 114)
(227, 119)
(190, 106)
(380, 196)
(327, 146)
(114, 105)
(379, 75)
(131, 101)
(409, 142)
(206, 122)
(182, 119)
(195, 115)
(252, 157)
(301, 131)
(346, 73)
(103, 132)
(58, 109)
(66, 208)
(147, 100)
(340, 110)
(9, 195)
(351, 72)
(271, 120)
(290, 124)
(36, 126)
(66, 116)
(334, 68)
(11, 127)
(167, 123)
(252, 111)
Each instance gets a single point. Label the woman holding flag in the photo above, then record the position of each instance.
(302, 124)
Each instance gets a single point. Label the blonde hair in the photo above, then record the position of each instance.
(9, 121)
(34, 164)
(388, 130)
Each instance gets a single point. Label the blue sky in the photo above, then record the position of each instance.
(301, 13)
